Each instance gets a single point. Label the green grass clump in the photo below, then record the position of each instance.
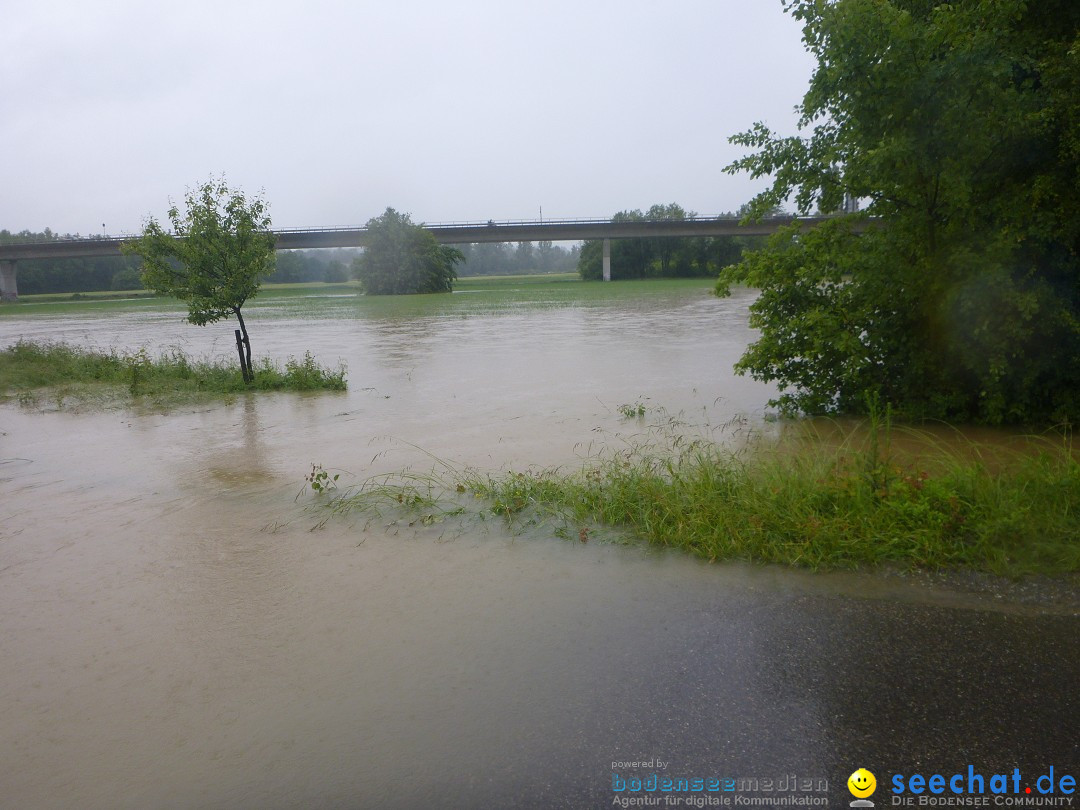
(878, 496)
(69, 371)
(821, 507)
(300, 375)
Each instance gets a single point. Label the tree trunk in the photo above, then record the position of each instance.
(245, 360)
(240, 352)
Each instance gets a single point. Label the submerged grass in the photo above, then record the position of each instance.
(827, 507)
(809, 503)
(29, 369)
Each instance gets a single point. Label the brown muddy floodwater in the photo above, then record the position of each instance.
(174, 633)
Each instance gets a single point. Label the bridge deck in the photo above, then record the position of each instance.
(447, 234)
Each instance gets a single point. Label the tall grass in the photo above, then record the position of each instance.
(827, 506)
(879, 495)
(27, 367)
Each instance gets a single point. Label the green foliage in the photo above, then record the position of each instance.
(415, 498)
(818, 506)
(139, 367)
(661, 257)
(876, 495)
(86, 374)
(819, 314)
(523, 258)
(635, 411)
(27, 365)
(127, 279)
(308, 375)
(402, 258)
(336, 272)
(214, 257)
(323, 264)
(959, 124)
(74, 275)
(320, 480)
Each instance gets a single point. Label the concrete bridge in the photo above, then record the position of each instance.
(444, 233)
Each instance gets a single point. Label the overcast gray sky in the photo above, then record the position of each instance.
(463, 110)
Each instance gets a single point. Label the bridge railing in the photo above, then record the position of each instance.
(503, 223)
(70, 237)
(556, 221)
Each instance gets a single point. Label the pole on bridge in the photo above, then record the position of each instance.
(8, 290)
(607, 260)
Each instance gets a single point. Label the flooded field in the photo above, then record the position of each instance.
(177, 630)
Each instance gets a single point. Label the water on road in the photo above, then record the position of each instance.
(177, 630)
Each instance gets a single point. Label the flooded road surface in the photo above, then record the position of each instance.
(175, 632)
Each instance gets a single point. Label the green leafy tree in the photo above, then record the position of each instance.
(81, 274)
(289, 267)
(525, 257)
(502, 258)
(487, 258)
(127, 279)
(335, 272)
(214, 258)
(660, 256)
(630, 258)
(402, 258)
(958, 126)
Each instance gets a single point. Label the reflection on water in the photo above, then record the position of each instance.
(174, 633)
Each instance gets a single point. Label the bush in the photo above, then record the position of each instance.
(127, 279)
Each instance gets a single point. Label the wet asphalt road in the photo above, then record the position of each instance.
(812, 686)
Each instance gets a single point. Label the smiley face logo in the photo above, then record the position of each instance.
(861, 783)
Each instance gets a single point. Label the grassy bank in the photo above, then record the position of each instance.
(28, 369)
(824, 506)
(808, 503)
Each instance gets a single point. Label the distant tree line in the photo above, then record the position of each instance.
(84, 274)
(521, 258)
(663, 256)
(299, 266)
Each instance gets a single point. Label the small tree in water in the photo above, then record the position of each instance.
(214, 258)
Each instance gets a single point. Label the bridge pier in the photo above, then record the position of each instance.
(607, 260)
(8, 290)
